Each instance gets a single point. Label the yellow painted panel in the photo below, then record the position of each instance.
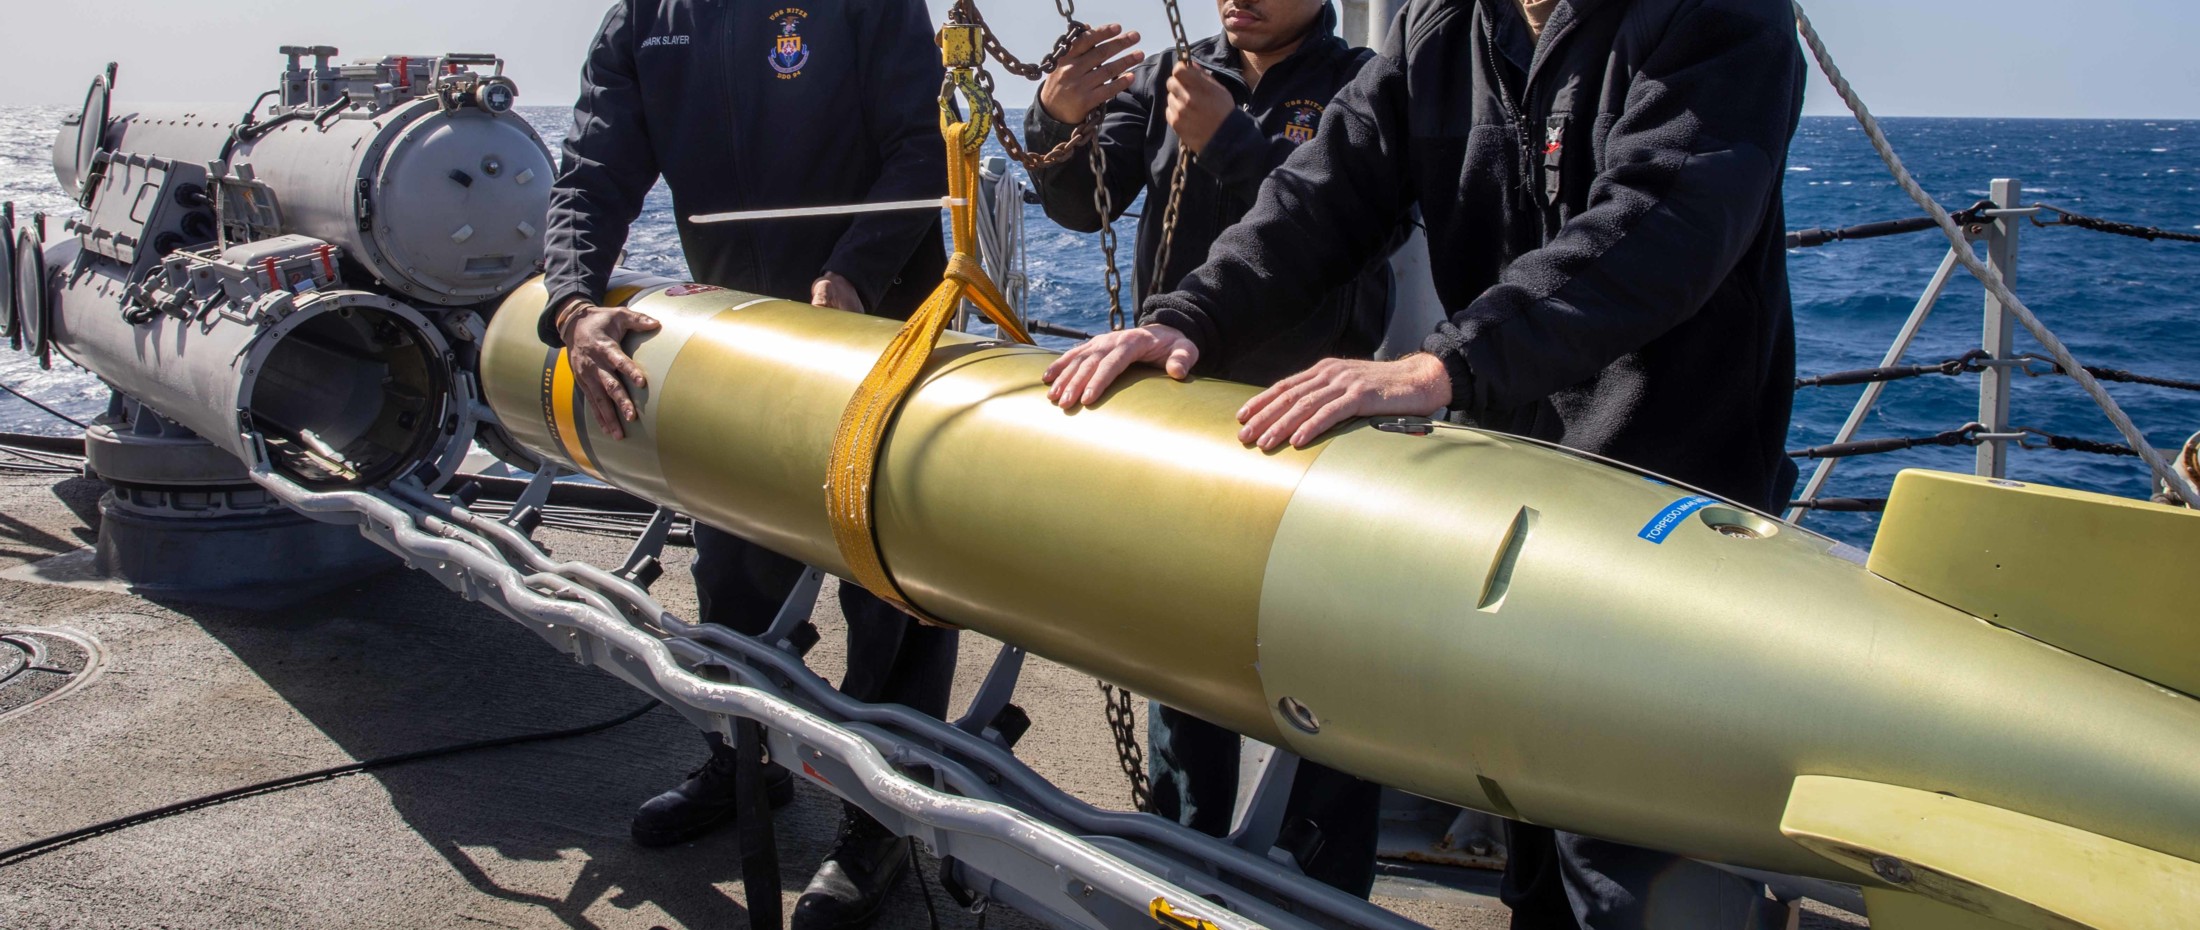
(2011, 867)
(2108, 578)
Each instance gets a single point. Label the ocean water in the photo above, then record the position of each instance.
(2118, 302)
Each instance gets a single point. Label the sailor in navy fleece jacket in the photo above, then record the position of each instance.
(1602, 197)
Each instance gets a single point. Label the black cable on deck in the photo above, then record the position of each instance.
(40, 847)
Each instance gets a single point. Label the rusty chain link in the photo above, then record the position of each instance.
(1086, 135)
(1184, 157)
(1104, 203)
(1123, 722)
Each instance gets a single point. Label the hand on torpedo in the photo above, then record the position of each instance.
(833, 292)
(1086, 77)
(1083, 373)
(1300, 408)
(1198, 104)
(594, 338)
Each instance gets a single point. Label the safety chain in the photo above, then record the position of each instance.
(2112, 227)
(1184, 157)
(1086, 135)
(1123, 722)
(1969, 434)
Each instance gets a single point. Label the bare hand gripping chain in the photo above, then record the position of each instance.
(1087, 133)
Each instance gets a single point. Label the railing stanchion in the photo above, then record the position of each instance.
(1999, 336)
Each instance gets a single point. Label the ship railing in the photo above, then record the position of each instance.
(2005, 311)
(1995, 224)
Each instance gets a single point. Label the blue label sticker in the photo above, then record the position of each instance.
(1662, 526)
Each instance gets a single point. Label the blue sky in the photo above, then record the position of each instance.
(2105, 58)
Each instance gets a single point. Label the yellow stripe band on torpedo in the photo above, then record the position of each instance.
(558, 401)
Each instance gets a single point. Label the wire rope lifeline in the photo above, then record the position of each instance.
(850, 476)
(2031, 364)
(1987, 276)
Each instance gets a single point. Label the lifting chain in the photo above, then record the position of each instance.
(1161, 280)
(1086, 135)
(1122, 713)
(966, 11)
(1103, 205)
(1123, 722)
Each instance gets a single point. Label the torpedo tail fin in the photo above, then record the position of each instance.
(2099, 576)
(2012, 869)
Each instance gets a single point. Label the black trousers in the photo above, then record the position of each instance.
(892, 659)
(1331, 819)
(1562, 881)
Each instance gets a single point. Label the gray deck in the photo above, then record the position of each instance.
(194, 700)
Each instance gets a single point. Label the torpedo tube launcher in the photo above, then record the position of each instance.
(308, 275)
(1481, 619)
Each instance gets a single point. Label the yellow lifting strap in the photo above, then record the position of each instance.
(863, 426)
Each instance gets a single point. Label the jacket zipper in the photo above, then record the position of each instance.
(729, 47)
(1514, 116)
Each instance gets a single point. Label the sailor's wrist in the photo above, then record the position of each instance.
(1459, 381)
(1431, 380)
(568, 313)
(1049, 127)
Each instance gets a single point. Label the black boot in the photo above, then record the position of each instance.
(851, 885)
(704, 801)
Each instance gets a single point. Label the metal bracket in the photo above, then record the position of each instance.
(644, 563)
(526, 513)
(1262, 824)
(994, 695)
(795, 612)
